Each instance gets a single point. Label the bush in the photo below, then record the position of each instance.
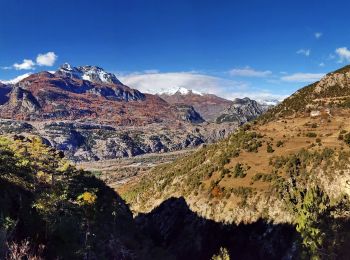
(347, 138)
(269, 149)
(257, 176)
(224, 172)
(279, 143)
(239, 171)
(311, 134)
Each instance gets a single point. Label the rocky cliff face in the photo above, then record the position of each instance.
(89, 141)
(23, 100)
(242, 111)
(188, 113)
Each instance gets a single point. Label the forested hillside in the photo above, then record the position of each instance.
(50, 209)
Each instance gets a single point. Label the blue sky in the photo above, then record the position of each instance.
(231, 48)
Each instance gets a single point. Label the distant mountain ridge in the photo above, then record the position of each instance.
(209, 106)
(217, 109)
(242, 110)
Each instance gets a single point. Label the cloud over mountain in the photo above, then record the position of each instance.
(172, 81)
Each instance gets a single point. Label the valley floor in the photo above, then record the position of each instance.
(122, 171)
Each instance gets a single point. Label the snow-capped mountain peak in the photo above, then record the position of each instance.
(185, 91)
(16, 79)
(179, 91)
(90, 73)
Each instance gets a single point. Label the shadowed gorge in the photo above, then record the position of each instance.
(185, 235)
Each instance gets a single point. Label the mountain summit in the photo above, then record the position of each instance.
(91, 73)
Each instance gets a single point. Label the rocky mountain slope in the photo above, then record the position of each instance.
(291, 166)
(242, 111)
(86, 93)
(209, 106)
(332, 91)
(63, 95)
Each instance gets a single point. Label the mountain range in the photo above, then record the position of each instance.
(91, 115)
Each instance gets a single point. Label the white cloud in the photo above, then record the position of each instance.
(172, 81)
(303, 77)
(305, 52)
(249, 72)
(321, 64)
(16, 79)
(318, 35)
(25, 65)
(343, 54)
(47, 59)
(163, 82)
